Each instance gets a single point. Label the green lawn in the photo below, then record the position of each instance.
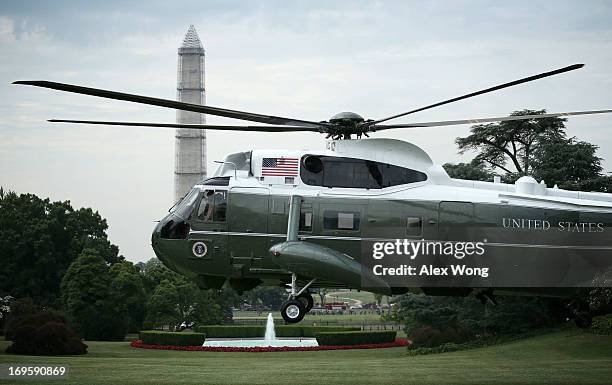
(569, 357)
(352, 297)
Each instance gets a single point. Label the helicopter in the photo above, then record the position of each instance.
(307, 219)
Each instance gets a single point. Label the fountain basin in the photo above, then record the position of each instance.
(259, 342)
(269, 341)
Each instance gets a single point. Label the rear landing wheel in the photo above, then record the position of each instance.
(306, 300)
(293, 311)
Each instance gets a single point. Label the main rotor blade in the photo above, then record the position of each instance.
(193, 126)
(171, 104)
(485, 120)
(491, 89)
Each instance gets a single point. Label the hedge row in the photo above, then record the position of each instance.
(240, 331)
(355, 337)
(156, 337)
(310, 331)
(222, 331)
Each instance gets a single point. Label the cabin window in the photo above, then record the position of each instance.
(331, 171)
(306, 221)
(414, 226)
(213, 206)
(341, 220)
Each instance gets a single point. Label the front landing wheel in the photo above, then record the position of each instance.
(306, 300)
(293, 311)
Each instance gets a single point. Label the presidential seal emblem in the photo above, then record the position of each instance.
(199, 249)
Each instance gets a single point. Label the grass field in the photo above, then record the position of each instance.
(352, 297)
(569, 357)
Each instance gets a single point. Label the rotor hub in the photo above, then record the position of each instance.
(346, 119)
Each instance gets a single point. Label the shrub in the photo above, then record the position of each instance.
(602, 325)
(355, 337)
(35, 320)
(156, 337)
(428, 336)
(45, 333)
(310, 331)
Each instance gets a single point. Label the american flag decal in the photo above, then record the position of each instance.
(279, 167)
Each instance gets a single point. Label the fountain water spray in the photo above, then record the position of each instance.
(270, 335)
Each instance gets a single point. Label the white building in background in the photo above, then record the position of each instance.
(190, 153)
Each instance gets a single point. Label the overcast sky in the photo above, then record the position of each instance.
(302, 59)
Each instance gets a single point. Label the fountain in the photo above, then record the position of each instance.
(270, 335)
(268, 340)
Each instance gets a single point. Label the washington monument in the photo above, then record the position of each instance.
(190, 152)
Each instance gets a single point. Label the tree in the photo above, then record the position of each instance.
(39, 239)
(182, 303)
(128, 293)
(561, 160)
(379, 298)
(322, 294)
(475, 170)
(154, 272)
(515, 142)
(174, 299)
(265, 296)
(510, 315)
(162, 306)
(89, 300)
(5, 309)
(18, 309)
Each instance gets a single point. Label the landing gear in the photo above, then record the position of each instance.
(293, 311)
(306, 300)
(299, 303)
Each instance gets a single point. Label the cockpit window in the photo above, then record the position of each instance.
(331, 171)
(205, 211)
(220, 206)
(185, 207)
(213, 206)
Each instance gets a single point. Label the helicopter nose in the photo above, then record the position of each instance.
(156, 236)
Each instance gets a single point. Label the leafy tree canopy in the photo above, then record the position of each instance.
(176, 300)
(563, 160)
(265, 297)
(128, 290)
(475, 170)
(90, 303)
(38, 241)
(511, 146)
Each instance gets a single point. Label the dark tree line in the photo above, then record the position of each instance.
(39, 239)
(56, 257)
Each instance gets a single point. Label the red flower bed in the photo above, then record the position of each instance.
(398, 342)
